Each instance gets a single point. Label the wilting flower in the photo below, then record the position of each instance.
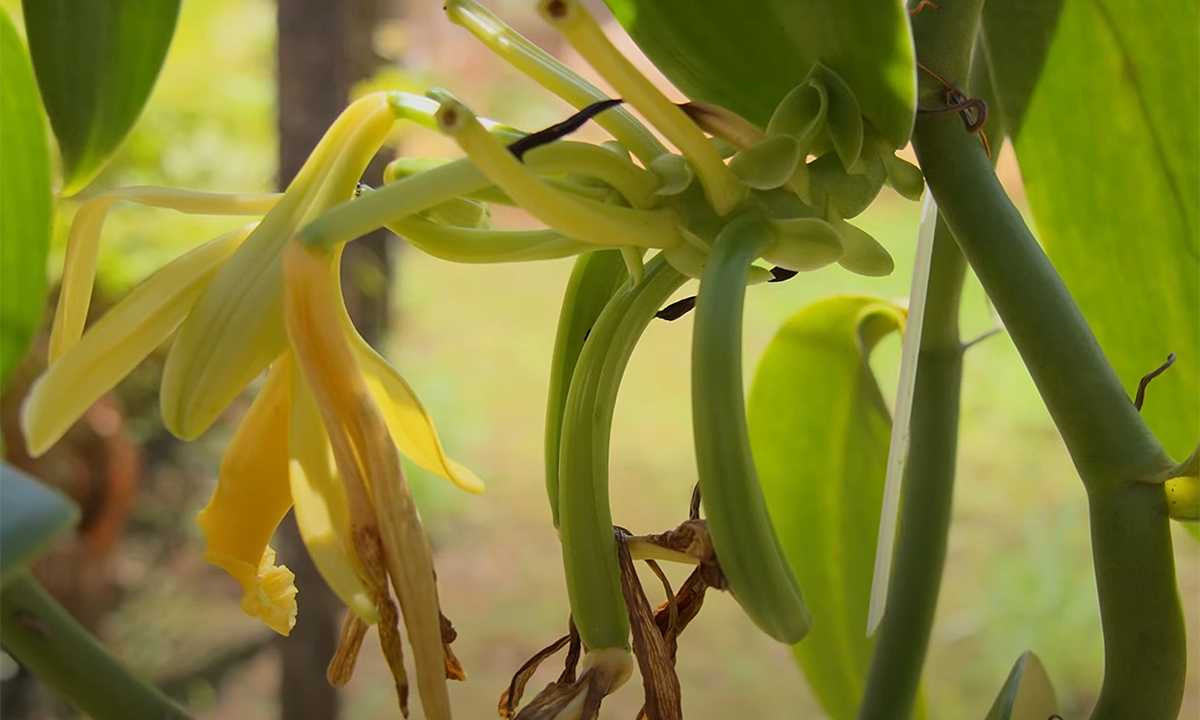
(226, 298)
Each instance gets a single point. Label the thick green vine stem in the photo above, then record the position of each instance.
(1116, 455)
(65, 656)
(895, 674)
(585, 521)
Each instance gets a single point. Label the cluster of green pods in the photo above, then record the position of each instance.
(737, 205)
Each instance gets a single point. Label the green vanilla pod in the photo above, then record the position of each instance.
(596, 277)
(585, 520)
(744, 538)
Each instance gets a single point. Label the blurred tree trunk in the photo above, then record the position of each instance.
(324, 48)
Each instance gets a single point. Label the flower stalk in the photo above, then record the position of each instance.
(579, 29)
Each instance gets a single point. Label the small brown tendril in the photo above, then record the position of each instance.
(974, 111)
(1145, 381)
(923, 5)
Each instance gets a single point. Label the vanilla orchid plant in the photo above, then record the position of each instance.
(745, 193)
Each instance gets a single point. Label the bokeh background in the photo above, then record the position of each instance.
(475, 341)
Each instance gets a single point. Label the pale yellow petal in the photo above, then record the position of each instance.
(320, 502)
(237, 326)
(251, 498)
(410, 426)
(83, 244)
(120, 340)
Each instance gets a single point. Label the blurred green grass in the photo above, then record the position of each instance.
(475, 342)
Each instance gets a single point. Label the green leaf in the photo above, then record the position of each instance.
(25, 201)
(747, 56)
(31, 515)
(819, 429)
(1027, 693)
(1100, 99)
(96, 63)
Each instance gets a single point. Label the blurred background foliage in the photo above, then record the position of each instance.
(475, 341)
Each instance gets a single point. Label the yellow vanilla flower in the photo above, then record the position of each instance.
(226, 299)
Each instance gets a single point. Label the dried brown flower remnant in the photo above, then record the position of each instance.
(511, 697)
(454, 668)
(603, 672)
(663, 699)
(341, 665)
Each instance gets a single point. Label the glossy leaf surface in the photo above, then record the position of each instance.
(31, 516)
(819, 429)
(25, 201)
(747, 56)
(96, 63)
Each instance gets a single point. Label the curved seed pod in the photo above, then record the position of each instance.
(801, 113)
(594, 279)
(804, 244)
(848, 192)
(746, 545)
(769, 163)
(585, 521)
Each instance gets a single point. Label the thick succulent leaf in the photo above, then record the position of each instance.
(31, 516)
(1101, 101)
(819, 429)
(747, 55)
(96, 63)
(25, 201)
(1027, 693)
